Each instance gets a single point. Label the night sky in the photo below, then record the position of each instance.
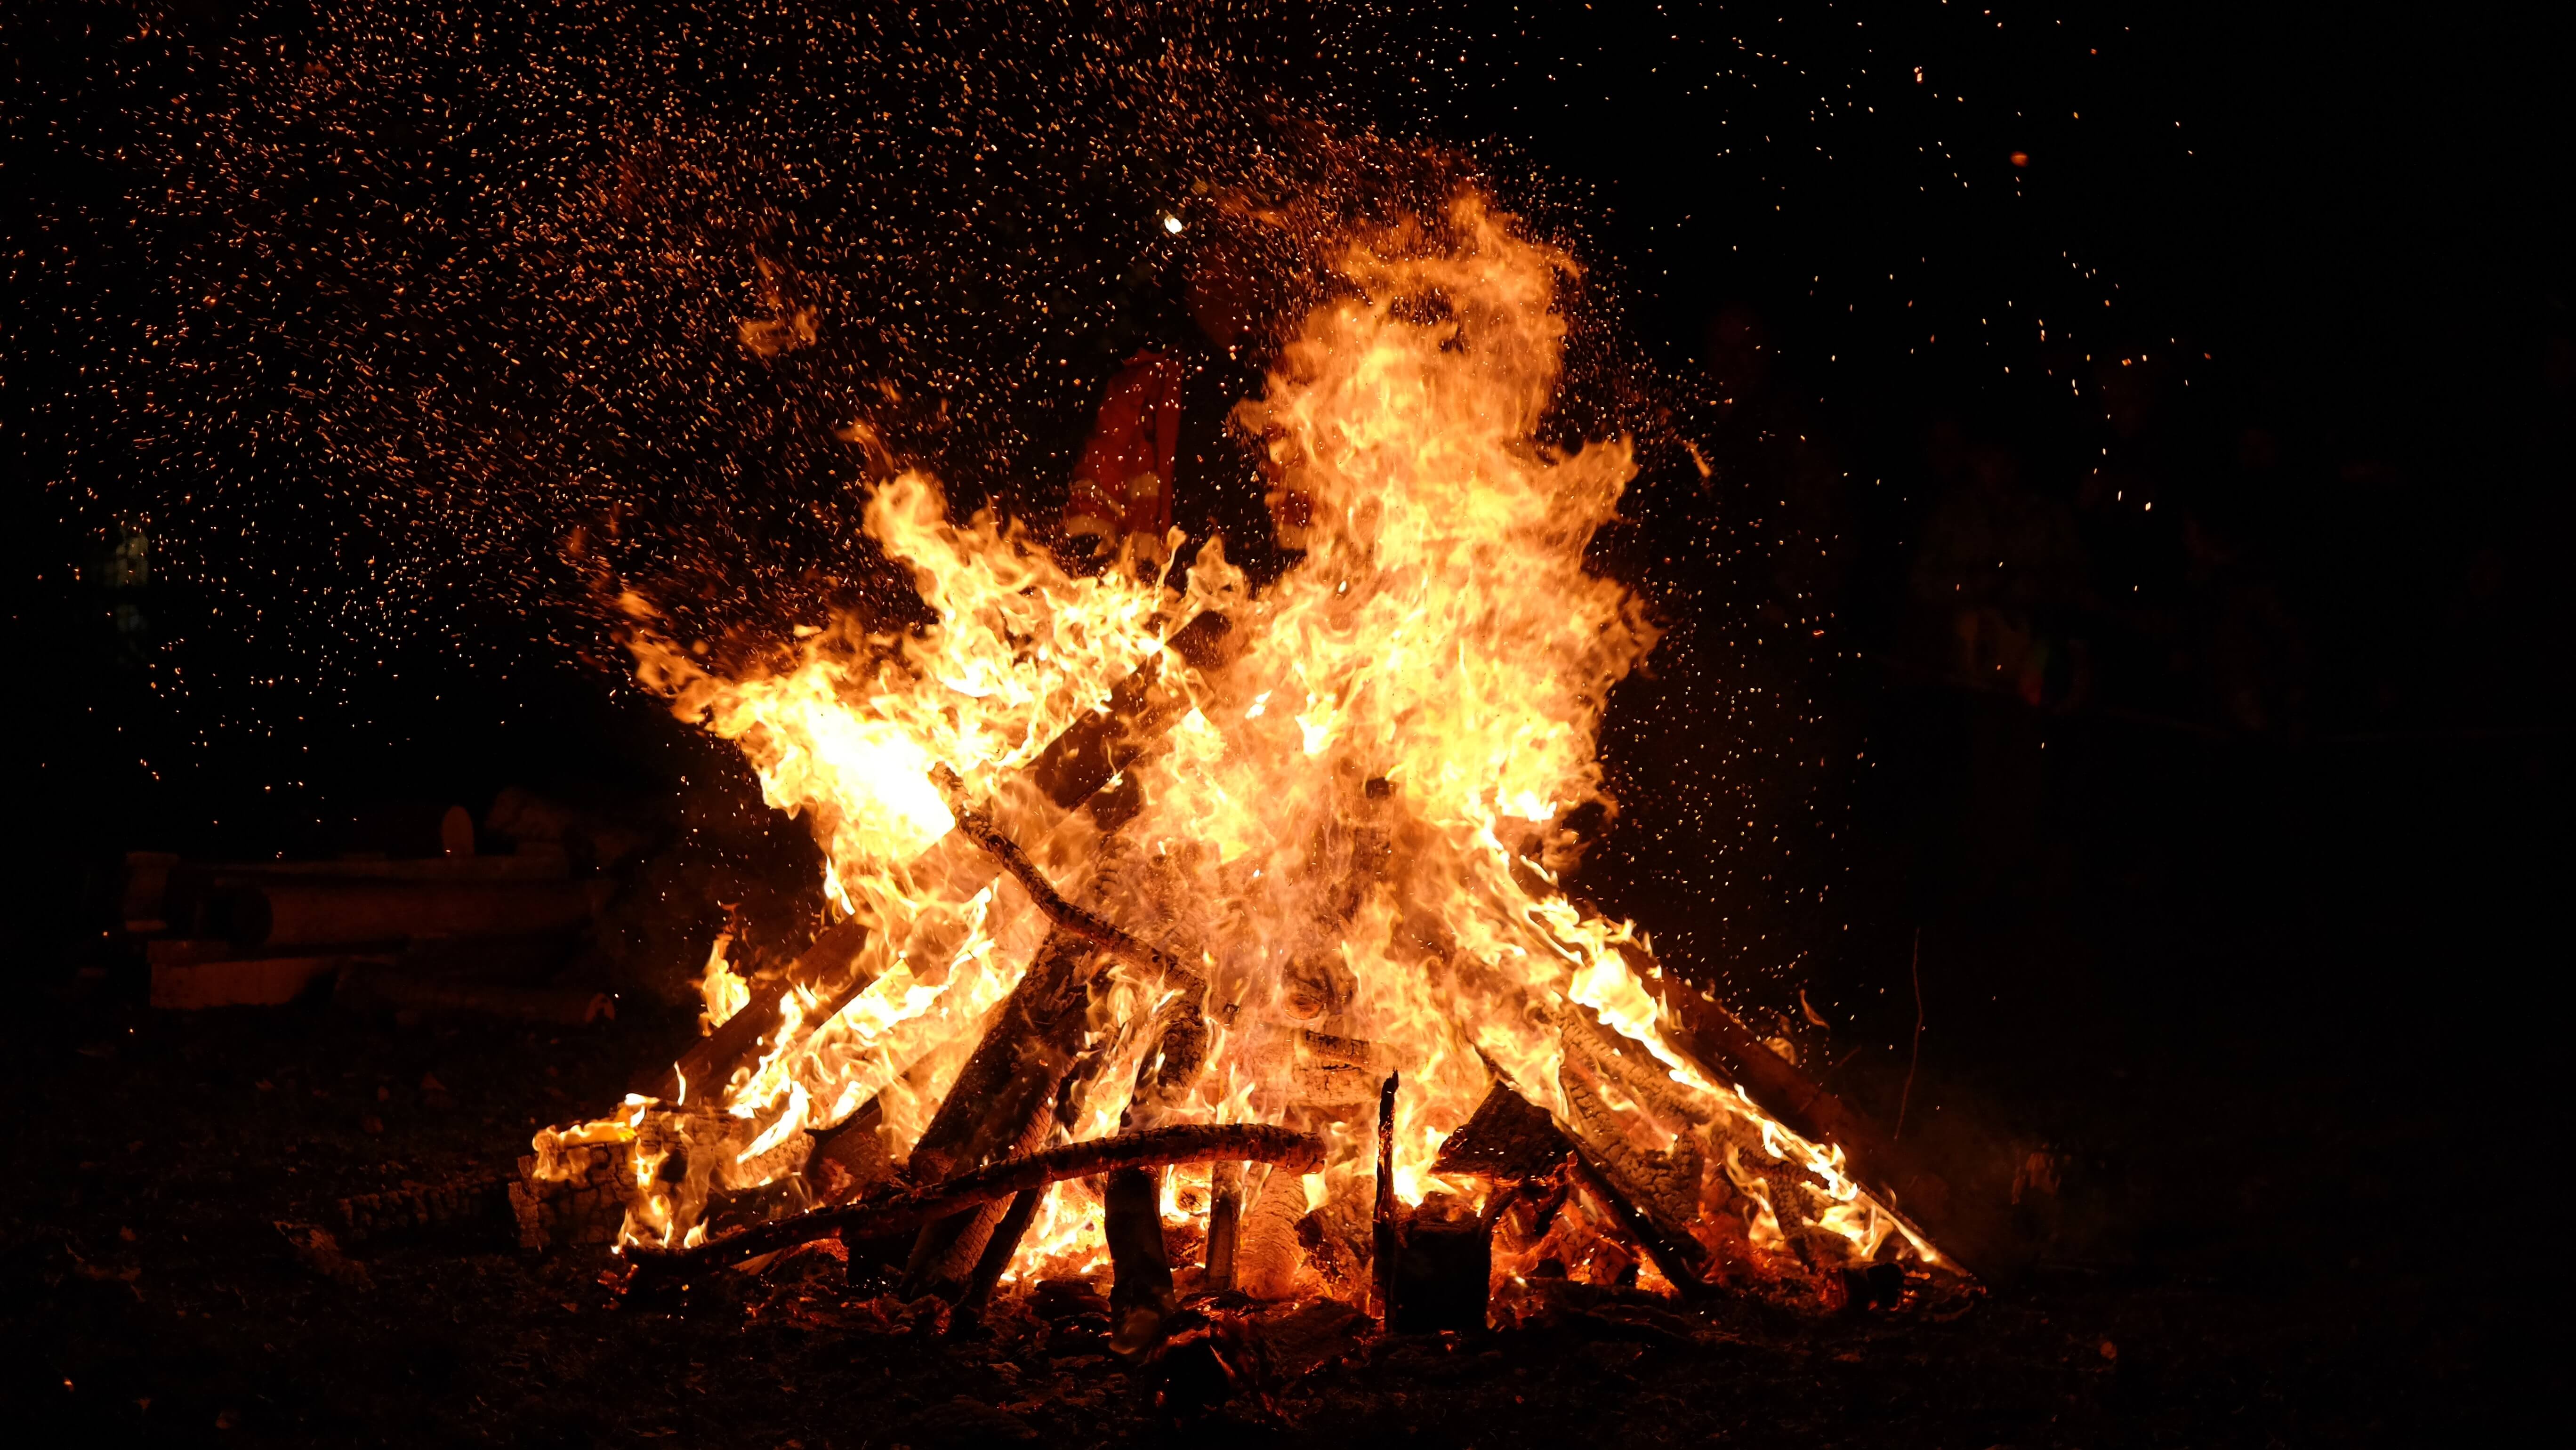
(393, 331)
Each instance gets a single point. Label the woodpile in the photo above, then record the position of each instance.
(461, 933)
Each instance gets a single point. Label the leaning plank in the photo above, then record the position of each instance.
(1899, 1179)
(1152, 1148)
(1000, 1105)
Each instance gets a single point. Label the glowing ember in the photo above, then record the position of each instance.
(1353, 830)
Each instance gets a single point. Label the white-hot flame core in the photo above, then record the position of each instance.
(1356, 827)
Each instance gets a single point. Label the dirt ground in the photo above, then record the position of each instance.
(151, 1296)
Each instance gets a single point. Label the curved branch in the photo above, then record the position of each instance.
(1067, 917)
(1152, 1148)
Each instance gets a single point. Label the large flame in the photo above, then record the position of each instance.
(1356, 826)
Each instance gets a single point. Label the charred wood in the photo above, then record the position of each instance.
(1508, 1138)
(1002, 1103)
(999, 1248)
(1267, 1253)
(1152, 1148)
(1383, 1231)
(465, 1203)
(1066, 916)
(1225, 1211)
(1140, 1291)
(1444, 1269)
(1893, 1172)
(1093, 750)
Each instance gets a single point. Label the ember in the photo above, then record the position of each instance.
(1171, 913)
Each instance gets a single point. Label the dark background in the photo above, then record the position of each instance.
(2225, 848)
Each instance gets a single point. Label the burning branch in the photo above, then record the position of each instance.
(979, 828)
(1153, 1148)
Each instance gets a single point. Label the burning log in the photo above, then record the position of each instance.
(1225, 1211)
(1000, 1105)
(1715, 1036)
(1140, 1287)
(1001, 1246)
(1660, 1189)
(1151, 1148)
(1267, 1252)
(1140, 1293)
(583, 1205)
(1510, 1138)
(1072, 769)
(850, 1157)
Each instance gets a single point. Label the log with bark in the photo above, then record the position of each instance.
(710, 1061)
(1382, 1225)
(280, 910)
(1151, 1148)
(1141, 1301)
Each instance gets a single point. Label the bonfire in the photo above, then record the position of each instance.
(1208, 940)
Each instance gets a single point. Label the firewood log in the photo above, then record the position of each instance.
(1896, 1176)
(1152, 1148)
(463, 1202)
(1675, 1253)
(1267, 1255)
(1002, 1103)
(711, 1061)
(1225, 1215)
(999, 1248)
(1140, 1286)
(279, 910)
(1383, 1241)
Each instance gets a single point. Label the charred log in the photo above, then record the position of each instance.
(999, 1248)
(1507, 1139)
(1152, 1148)
(1067, 917)
(1894, 1173)
(1383, 1232)
(1443, 1271)
(711, 1061)
(1225, 1211)
(1002, 1104)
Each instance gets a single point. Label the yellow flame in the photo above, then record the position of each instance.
(1357, 827)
